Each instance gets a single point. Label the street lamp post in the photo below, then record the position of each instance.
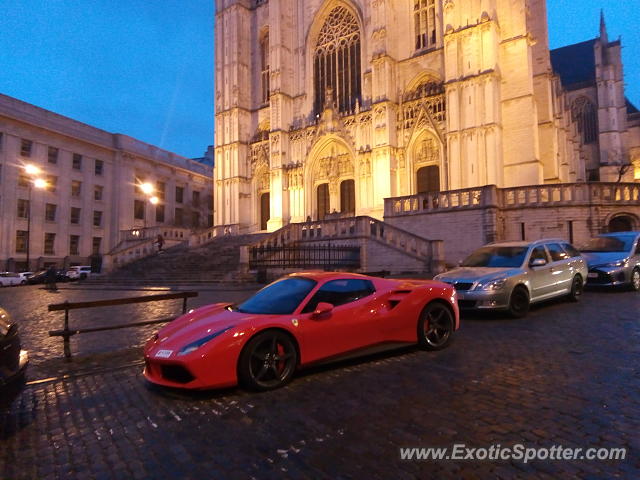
(32, 171)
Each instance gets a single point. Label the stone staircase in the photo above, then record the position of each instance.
(214, 262)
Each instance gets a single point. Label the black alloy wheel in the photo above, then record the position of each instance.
(435, 327)
(577, 287)
(268, 361)
(519, 302)
(635, 279)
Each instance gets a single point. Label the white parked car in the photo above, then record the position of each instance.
(79, 273)
(9, 278)
(24, 276)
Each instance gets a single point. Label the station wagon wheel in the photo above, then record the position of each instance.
(435, 326)
(635, 279)
(519, 302)
(268, 361)
(577, 287)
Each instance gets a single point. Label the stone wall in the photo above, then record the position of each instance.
(468, 219)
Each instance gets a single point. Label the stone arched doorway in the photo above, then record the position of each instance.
(425, 156)
(263, 197)
(621, 223)
(331, 181)
(265, 210)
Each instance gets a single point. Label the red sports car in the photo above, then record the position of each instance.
(299, 320)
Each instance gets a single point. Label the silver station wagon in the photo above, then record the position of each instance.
(512, 275)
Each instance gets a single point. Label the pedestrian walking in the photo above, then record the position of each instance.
(50, 279)
(160, 242)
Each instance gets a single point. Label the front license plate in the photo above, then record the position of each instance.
(163, 353)
(592, 275)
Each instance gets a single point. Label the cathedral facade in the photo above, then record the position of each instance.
(325, 108)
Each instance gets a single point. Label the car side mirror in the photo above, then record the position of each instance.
(322, 309)
(538, 262)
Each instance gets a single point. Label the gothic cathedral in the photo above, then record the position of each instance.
(327, 107)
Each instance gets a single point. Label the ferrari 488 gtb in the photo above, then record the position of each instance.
(299, 320)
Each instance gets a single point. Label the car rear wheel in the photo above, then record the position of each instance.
(635, 280)
(577, 287)
(268, 361)
(519, 302)
(435, 327)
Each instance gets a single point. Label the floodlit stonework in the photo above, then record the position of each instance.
(92, 201)
(325, 109)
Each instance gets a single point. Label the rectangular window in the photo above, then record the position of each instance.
(21, 241)
(97, 192)
(210, 202)
(96, 245)
(25, 147)
(50, 212)
(160, 213)
(1, 138)
(23, 181)
(23, 208)
(160, 190)
(49, 243)
(196, 198)
(52, 183)
(74, 244)
(99, 167)
(179, 217)
(179, 194)
(77, 161)
(97, 218)
(75, 215)
(195, 219)
(76, 188)
(52, 155)
(264, 68)
(138, 209)
(210, 221)
(425, 23)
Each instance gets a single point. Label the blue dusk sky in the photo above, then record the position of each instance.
(145, 68)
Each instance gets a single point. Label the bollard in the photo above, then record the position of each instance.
(67, 334)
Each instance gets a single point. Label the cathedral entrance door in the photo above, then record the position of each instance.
(323, 200)
(428, 179)
(265, 210)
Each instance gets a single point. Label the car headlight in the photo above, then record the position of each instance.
(193, 346)
(619, 263)
(492, 284)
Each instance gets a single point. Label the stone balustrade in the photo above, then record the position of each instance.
(467, 198)
(357, 228)
(529, 196)
(210, 234)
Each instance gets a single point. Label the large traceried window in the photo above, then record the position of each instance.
(264, 68)
(424, 14)
(585, 114)
(336, 62)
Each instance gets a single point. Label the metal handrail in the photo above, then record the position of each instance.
(66, 333)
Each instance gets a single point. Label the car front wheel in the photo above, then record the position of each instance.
(435, 327)
(577, 287)
(268, 361)
(635, 280)
(519, 302)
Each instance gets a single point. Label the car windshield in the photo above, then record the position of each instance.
(496, 257)
(619, 243)
(279, 298)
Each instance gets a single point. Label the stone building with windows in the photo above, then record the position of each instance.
(325, 108)
(90, 196)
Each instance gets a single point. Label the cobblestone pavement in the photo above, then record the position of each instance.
(566, 375)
